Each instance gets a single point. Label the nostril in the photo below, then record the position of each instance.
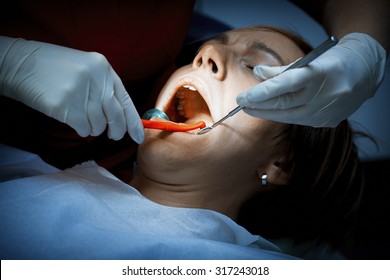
(199, 62)
(214, 67)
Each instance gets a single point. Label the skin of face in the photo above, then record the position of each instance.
(218, 170)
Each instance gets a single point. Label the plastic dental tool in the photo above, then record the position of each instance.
(300, 63)
(167, 125)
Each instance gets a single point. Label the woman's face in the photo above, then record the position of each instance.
(207, 90)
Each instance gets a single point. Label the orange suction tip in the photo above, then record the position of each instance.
(171, 126)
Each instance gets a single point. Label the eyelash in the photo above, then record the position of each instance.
(250, 67)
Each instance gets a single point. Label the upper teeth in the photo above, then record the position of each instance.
(190, 87)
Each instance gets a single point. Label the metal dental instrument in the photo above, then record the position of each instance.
(323, 47)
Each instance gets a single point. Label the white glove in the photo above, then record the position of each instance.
(325, 92)
(77, 88)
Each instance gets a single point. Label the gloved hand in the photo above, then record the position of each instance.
(325, 92)
(77, 88)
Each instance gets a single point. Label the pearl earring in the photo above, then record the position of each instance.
(264, 180)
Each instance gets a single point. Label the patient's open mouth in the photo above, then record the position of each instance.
(187, 106)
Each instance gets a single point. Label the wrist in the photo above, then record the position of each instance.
(370, 51)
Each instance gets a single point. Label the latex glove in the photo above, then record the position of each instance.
(325, 92)
(77, 88)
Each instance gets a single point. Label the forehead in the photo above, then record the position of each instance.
(280, 43)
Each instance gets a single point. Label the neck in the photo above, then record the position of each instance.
(204, 195)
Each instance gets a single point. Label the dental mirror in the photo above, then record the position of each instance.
(153, 113)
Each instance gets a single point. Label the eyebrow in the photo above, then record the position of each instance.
(223, 38)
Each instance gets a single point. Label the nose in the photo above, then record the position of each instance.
(213, 59)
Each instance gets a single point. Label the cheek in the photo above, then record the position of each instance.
(246, 140)
(241, 82)
(261, 135)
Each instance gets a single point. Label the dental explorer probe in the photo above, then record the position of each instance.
(305, 60)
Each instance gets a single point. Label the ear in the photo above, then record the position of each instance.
(276, 175)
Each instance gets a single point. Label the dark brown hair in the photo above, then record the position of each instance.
(326, 184)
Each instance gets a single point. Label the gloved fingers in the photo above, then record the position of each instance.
(132, 119)
(290, 116)
(283, 116)
(285, 101)
(298, 115)
(289, 81)
(78, 122)
(114, 115)
(96, 118)
(265, 72)
(134, 124)
(69, 115)
(91, 104)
